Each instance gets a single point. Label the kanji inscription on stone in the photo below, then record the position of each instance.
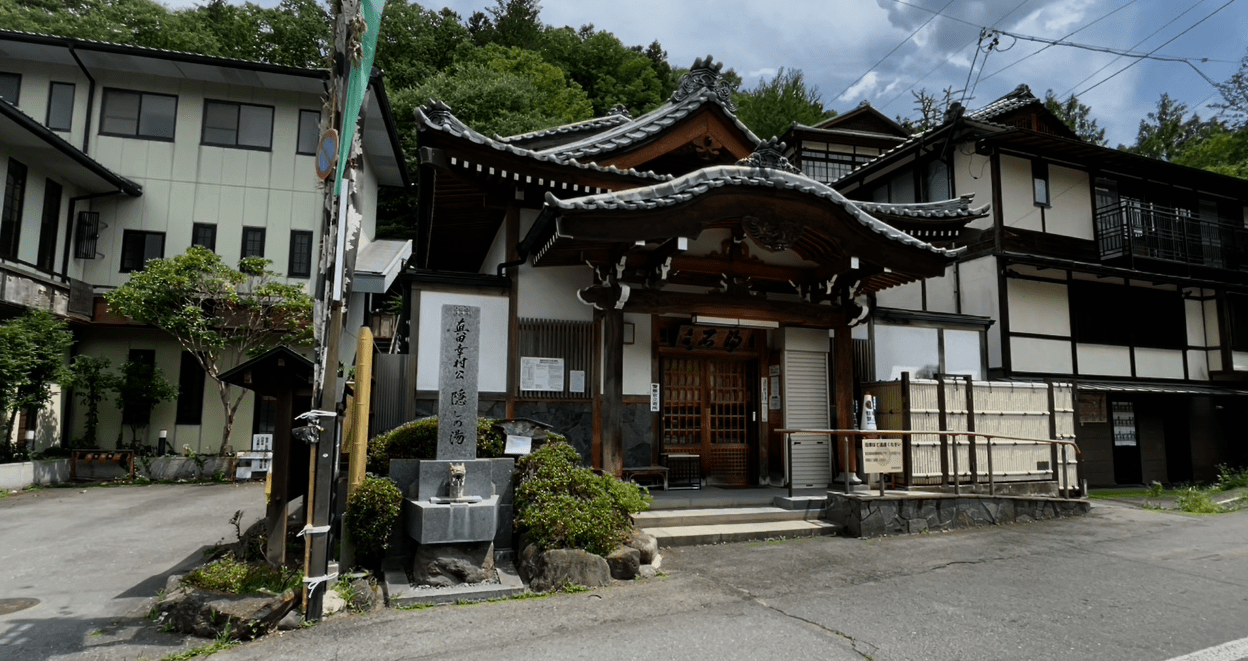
(457, 382)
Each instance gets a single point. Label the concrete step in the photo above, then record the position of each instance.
(715, 516)
(739, 532)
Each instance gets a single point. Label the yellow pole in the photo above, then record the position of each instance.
(363, 386)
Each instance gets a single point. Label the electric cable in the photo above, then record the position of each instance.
(895, 48)
(1061, 39)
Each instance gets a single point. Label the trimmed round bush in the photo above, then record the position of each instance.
(418, 439)
(371, 512)
(564, 505)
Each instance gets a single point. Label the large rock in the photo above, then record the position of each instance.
(366, 595)
(443, 565)
(556, 568)
(624, 562)
(208, 613)
(645, 543)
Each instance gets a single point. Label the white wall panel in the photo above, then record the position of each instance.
(1104, 360)
(972, 174)
(1213, 337)
(1017, 198)
(637, 356)
(1194, 316)
(905, 297)
(1239, 359)
(901, 349)
(1197, 365)
(979, 297)
(1029, 354)
(1071, 198)
(550, 292)
(493, 339)
(942, 292)
(1158, 363)
(1039, 307)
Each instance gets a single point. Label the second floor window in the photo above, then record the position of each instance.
(309, 131)
(300, 254)
(138, 114)
(11, 217)
(61, 106)
(204, 234)
(1040, 183)
(10, 87)
(137, 247)
(253, 242)
(240, 125)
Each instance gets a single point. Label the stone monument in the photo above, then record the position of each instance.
(453, 510)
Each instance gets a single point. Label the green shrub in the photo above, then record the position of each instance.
(1232, 478)
(418, 439)
(229, 574)
(371, 512)
(1197, 501)
(563, 505)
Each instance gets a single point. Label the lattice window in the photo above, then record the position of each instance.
(556, 359)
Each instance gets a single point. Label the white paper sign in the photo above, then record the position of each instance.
(541, 374)
(576, 381)
(654, 398)
(881, 455)
(262, 442)
(762, 388)
(518, 445)
(775, 393)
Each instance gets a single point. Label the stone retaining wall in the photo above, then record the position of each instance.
(862, 515)
(22, 474)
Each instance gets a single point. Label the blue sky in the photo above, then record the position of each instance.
(841, 46)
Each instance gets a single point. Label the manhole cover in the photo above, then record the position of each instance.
(13, 605)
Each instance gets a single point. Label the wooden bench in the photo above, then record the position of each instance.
(647, 471)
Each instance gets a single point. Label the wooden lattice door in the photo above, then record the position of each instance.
(706, 411)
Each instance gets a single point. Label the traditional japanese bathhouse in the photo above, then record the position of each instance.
(1125, 275)
(667, 284)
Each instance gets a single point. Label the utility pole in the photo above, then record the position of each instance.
(356, 23)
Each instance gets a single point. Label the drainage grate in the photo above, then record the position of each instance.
(18, 604)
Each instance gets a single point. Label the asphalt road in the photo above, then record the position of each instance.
(1121, 583)
(95, 558)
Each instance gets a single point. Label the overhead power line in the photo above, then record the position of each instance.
(1061, 39)
(890, 53)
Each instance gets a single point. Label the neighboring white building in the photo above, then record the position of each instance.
(113, 155)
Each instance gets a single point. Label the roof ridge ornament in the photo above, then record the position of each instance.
(438, 112)
(769, 154)
(705, 74)
(619, 110)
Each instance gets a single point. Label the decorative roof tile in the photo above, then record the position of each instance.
(613, 118)
(955, 208)
(1021, 96)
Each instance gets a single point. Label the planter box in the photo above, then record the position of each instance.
(172, 467)
(42, 472)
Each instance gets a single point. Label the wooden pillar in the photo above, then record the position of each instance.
(843, 385)
(279, 474)
(362, 405)
(613, 392)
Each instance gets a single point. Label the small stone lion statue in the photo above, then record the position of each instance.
(456, 490)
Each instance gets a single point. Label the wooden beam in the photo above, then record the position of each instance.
(613, 392)
(755, 307)
(843, 389)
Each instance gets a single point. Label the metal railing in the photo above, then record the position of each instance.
(951, 472)
(1133, 230)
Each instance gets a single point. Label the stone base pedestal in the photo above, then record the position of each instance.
(447, 523)
(444, 565)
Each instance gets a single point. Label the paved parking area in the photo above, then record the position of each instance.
(95, 557)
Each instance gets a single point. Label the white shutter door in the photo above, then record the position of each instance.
(806, 407)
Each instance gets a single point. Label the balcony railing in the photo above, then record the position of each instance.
(1131, 230)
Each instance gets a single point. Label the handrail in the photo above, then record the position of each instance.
(1063, 481)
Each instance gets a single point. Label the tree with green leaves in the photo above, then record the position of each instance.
(32, 360)
(1234, 91)
(1225, 152)
(416, 43)
(219, 314)
(610, 73)
(139, 388)
(91, 380)
(1168, 131)
(774, 105)
(509, 23)
(1077, 116)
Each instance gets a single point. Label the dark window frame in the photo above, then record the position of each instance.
(1126, 316)
(13, 206)
(299, 258)
(195, 235)
(138, 122)
(243, 253)
(190, 403)
(69, 122)
(1040, 173)
(316, 130)
(129, 416)
(127, 259)
(238, 107)
(49, 225)
(17, 79)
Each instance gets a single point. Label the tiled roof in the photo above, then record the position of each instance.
(1021, 96)
(694, 184)
(437, 116)
(955, 208)
(595, 124)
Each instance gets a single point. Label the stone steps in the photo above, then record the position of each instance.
(738, 524)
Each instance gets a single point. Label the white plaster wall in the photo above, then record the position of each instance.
(550, 293)
(1239, 360)
(1104, 360)
(905, 297)
(979, 297)
(1071, 199)
(1194, 316)
(1038, 307)
(1215, 360)
(1197, 366)
(905, 349)
(1213, 337)
(942, 292)
(498, 251)
(804, 339)
(1158, 363)
(637, 356)
(1017, 197)
(492, 361)
(972, 174)
(36, 88)
(30, 227)
(963, 353)
(1028, 354)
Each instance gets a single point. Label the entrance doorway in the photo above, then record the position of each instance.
(708, 410)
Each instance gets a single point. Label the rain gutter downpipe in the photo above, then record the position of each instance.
(86, 128)
(545, 221)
